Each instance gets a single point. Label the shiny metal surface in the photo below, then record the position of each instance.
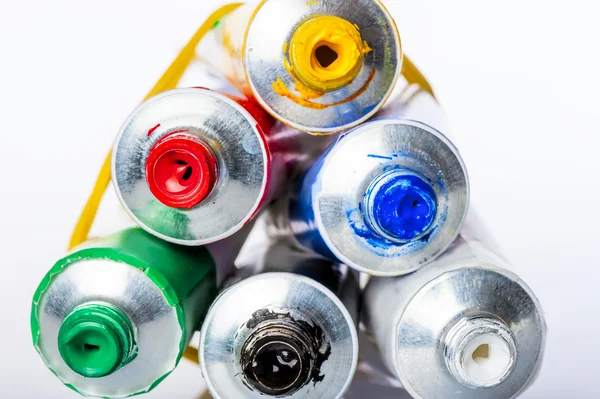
(283, 256)
(273, 25)
(158, 334)
(445, 311)
(345, 179)
(344, 175)
(221, 49)
(232, 134)
(227, 328)
(325, 214)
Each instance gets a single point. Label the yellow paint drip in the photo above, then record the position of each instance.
(280, 88)
(305, 92)
(228, 45)
(326, 53)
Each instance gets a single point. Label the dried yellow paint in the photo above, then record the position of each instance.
(341, 39)
(280, 88)
(313, 75)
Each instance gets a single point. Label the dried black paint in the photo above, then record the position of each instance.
(308, 353)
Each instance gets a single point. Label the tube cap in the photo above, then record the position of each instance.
(96, 339)
(181, 170)
(400, 206)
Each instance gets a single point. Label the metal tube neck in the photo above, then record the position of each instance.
(480, 352)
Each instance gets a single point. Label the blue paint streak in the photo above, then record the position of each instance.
(404, 207)
(379, 157)
(380, 245)
(364, 231)
(349, 112)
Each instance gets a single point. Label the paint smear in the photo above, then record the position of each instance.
(280, 88)
(379, 157)
(305, 93)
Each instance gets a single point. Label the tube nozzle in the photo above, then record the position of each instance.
(400, 206)
(278, 358)
(181, 170)
(480, 352)
(96, 339)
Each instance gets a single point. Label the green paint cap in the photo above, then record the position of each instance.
(96, 339)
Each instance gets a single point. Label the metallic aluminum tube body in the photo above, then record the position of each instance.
(240, 158)
(220, 51)
(113, 318)
(388, 196)
(463, 326)
(294, 293)
(256, 50)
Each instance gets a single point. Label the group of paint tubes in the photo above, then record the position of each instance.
(319, 126)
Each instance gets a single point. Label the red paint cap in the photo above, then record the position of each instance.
(181, 170)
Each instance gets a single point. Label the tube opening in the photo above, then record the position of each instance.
(96, 339)
(487, 359)
(91, 348)
(277, 366)
(480, 352)
(279, 357)
(325, 55)
(188, 173)
(181, 170)
(400, 206)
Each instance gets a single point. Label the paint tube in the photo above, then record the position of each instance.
(318, 66)
(372, 379)
(193, 166)
(464, 326)
(289, 331)
(112, 319)
(388, 197)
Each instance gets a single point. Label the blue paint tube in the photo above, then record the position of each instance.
(387, 197)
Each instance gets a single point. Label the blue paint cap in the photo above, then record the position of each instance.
(400, 206)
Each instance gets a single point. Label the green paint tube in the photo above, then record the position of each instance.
(112, 319)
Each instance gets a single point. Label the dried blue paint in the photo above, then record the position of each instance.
(379, 245)
(430, 215)
(395, 197)
(401, 206)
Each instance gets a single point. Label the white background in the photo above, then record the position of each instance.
(519, 80)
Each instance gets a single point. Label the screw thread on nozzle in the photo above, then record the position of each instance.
(96, 339)
(480, 352)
